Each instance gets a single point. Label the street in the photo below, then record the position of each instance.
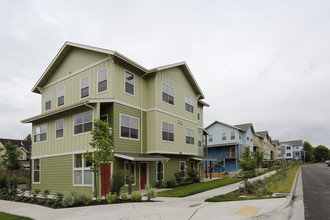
(316, 187)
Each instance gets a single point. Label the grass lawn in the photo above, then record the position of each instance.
(6, 216)
(183, 191)
(235, 197)
(277, 185)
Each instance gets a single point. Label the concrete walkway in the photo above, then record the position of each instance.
(192, 207)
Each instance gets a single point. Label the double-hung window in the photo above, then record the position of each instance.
(232, 135)
(167, 131)
(83, 122)
(167, 94)
(210, 138)
(189, 104)
(48, 100)
(130, 169)
(129, 127)
(102, 80)
(189, 136)
(84, 87)
(199, 140)
(82, 175)
(183, 167)
(224, 136)
(198, 113)
(59, 128)
(60, 96)
(40, 133)
(160, 171)
(129, 83)
(36, 171)
(288, 148)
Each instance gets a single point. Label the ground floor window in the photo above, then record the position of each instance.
(36, 171)
(82, 175)
(160, 171)
(132, 170)
(183, 167)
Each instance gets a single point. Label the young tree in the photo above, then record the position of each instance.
(309, 149)
(321, 153)
(28, 137)
(258, 156)
(103, 150)
(248, 166)
(10, 157)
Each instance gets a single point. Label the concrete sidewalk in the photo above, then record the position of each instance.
(192, 207)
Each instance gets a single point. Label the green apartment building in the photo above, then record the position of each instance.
(155, 115)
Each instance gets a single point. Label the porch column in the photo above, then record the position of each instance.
(205, 155)
(210, 169)
(236, 158)
(159, 169)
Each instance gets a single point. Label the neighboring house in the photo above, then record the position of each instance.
(263, 142)
(226, 143)
(292, 150)
(25, 151)
(275, 149)
(155, 115)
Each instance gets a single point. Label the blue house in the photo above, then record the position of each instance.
(226, 142)
(292, 150)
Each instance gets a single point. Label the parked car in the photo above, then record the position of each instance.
(327, 162)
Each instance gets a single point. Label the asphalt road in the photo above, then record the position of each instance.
(316, 187)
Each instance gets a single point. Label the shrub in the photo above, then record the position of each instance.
(50, 202)
(98, 199)
(151, 192)
(87, 200)
(3, 181)
(112, 198)
(46, 193)
(35, 192)
(179, 177)
(58, 196)
(192, 176)
(68, 200)
(12, 183)
(124, 196)
(136, 197)
(117, 181)
(170, 183)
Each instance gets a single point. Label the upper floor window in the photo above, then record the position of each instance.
(102, 80)
(210, 138)
(83, 122)
(59, 128)
(240, 136)
(199, 140)
(189, 136)
(232, 136)
(60, 96)
(247, 138)
(167, 131)
(288, 148)
(189, 104)
(224, 136)
(198, 113)
(129, 83)
(129, 127)
(82, 175)
(21, 155)
(40, 133)
(48, 100)
(167, 94)
(84, 86)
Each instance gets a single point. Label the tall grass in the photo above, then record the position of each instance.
(275, 183)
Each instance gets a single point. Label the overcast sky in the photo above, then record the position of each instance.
(265, 62)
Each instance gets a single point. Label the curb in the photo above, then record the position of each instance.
(288, 201)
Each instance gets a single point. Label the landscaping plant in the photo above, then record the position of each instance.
(124, 196)
(151, 192)
(112, 198)
(117, 181)
(136, 197)
(248, 166)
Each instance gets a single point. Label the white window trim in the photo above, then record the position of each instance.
(89, 87)
(223, 137)
(189, 104)
(210, 137)
(200, 135)
(133, 184)
(157, 171)
(40, 130)
(184, 166)
(185, 136)
(56, 130)
(161, 94)
(58, 97)
(82, 169)
(22, 154)
(198, 113)
(97, 87)
(39, 171)
(161, 130)
(232, 136)
(133, 139)
(125, 83)
(83, 133)
(51, 96)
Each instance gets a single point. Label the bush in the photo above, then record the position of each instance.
(98, 199)
(68, 200)
(46, 193)
(4, 181)
(136, 197)
(192, 176)
(170, 183)
(124, 196)
(151, 192)
(112, 198)
(12, 183)
(50, 202)
(179, 177)
(87, 200)
(117, 182)
(35, 192)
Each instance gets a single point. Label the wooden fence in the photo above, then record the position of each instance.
(18, 173)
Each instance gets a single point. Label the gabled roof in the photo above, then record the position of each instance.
(26, 145)
(276, 142)
(295, 142)
(262, 134)
(219, 122)
(245, 127)
(60, 56)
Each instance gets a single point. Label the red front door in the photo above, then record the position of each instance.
(143, 175)
(105, 175)
(232, 152)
